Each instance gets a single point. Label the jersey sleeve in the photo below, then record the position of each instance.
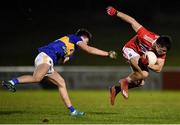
(146, 36)
(142, 31)
(75, 39)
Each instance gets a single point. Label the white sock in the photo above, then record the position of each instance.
(129, 79)
(11, 82)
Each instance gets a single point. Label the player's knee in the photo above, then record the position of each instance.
(144, 74)
(37, 79)
(62, 84)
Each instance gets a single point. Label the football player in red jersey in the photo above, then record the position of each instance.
(134, 51)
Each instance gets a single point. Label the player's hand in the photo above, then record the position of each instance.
(144, 60)
(111, 11)
(112, 54)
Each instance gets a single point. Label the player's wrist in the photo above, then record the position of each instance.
(117, 12)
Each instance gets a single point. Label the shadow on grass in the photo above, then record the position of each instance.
(102, 113)
(10, 112)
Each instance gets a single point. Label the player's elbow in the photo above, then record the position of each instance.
(159, 70)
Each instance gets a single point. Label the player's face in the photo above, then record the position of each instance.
(161, 50)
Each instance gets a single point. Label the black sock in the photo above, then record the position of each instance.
(130, 86)
(118, 89)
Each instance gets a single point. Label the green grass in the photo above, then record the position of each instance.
(142, 107)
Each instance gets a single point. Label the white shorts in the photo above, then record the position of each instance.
(129, 53)
(44, 58)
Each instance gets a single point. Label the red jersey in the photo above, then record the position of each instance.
(143, 42)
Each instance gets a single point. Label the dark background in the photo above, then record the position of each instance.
(26, 25)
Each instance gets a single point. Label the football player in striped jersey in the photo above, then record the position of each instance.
(50, 54)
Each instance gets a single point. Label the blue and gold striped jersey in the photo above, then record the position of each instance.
(65, 46)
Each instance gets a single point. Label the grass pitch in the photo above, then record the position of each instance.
(45, 107)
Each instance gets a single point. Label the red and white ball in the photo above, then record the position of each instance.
(152, 58)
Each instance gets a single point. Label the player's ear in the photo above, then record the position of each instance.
(85, 39)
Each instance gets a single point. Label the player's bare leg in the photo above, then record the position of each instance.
(138, 75)
(59, 81)
(37, 76)
(135, 79)
(125, 82)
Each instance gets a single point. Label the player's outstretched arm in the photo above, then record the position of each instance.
(114, 12)
(96, 51)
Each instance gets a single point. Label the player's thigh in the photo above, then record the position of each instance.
(43, 65)
(129, 54)
(40, 71)
(145, 74)
(132, 57)
(134, 64)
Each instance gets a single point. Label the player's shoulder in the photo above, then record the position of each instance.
(74, 38)
(72, 35)
(147, 34)
(142, 29)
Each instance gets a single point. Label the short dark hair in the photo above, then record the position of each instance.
(85, 32)
(164, 41)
